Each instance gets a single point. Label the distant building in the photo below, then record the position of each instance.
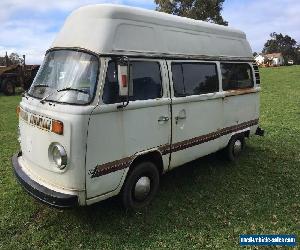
(269, 60)
(274, 59)
(259, 59)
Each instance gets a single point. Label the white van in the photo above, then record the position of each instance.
(125, 95)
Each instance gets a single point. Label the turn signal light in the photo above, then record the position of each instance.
(18, 111)
(57, 127)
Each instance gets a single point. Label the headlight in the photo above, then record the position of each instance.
(58, 155)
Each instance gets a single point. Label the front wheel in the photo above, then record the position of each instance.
(141, 186)
(235, 147)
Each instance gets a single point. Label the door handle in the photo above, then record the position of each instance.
(181, 116)
(163, 119)
(177, 118)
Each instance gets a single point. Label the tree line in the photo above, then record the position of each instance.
(12, 59)
(284, 44)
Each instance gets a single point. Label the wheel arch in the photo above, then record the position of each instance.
(154, 170)
(244, 132)
(153, 156)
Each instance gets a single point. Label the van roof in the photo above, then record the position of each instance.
(114, 29)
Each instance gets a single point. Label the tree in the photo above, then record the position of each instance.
(280, 43)
(14, 58)
(255, 54)
(298, 55)
(205, 10)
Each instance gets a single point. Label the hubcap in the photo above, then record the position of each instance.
(237, 147)
(142, 188)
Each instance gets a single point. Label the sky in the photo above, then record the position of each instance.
(29, 26)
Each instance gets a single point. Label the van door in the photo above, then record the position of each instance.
(241, 99)
(196, 110)
(117, 135)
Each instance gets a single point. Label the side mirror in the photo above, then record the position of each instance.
(125, 80)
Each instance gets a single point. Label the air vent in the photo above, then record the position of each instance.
(256, 72)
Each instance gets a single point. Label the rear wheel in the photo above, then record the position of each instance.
(235, 147)
(8, 87)
(140, 186)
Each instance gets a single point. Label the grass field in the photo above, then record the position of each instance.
(206, 204)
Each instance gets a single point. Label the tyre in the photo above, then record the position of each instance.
(235, 147)
(141, 186)
(8, 87)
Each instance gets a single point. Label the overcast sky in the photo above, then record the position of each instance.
(29, 26)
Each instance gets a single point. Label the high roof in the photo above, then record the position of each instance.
(115, 29)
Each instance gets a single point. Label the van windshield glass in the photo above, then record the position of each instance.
(66, 76)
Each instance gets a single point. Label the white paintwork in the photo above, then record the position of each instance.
(121, 29)
(198, 122)
(118, 133)
(97, 133)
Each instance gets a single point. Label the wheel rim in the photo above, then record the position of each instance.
(142, 188)
(237, 147)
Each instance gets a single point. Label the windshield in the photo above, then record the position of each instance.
(66, 76)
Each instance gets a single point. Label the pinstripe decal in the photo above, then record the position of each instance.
(211, 136)
(111, 167)
(123, 163)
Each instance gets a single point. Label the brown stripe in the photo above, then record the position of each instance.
(111, 167)
(166, 149)
(211, 136)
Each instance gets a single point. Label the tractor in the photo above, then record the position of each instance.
(12, 76)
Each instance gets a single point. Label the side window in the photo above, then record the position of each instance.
(178, 84)
(194, 78)
(146, 79)
(236, 76)
(111, 87)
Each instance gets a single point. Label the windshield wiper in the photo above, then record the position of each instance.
(70, 88)
(44, 99)
(60, 90)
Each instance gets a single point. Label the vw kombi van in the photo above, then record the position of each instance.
(125, 95)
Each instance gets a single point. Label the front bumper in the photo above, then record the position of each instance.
(42, 193)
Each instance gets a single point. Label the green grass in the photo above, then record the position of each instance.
(206, 204)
